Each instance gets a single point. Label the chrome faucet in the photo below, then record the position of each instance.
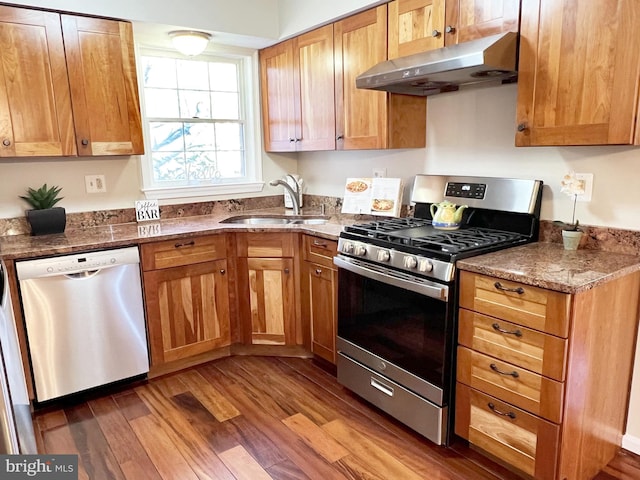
(293, 193)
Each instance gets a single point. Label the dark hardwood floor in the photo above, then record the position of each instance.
(256, 418)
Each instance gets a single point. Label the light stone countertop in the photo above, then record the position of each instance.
(550, 266)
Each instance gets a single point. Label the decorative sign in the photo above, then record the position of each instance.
(147, 210)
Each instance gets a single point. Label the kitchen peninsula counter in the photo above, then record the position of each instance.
(550, 266)
(111, 236)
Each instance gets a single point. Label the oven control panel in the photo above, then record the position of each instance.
(466, 190)
(416, 264)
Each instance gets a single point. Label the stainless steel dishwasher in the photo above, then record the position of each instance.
(84, 318)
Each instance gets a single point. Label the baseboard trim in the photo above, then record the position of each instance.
(631, 443)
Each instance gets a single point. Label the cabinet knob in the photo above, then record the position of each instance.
(298, 140)
(522, 127)
(318, 271)
(6, 142)
(291, 140)
(222, 271)
(435, 33)
(286, 271)
(450, 29)
(339, 137)
(85, 142)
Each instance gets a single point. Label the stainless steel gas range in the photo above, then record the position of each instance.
(397, 293)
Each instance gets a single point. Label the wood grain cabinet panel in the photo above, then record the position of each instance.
(579, 73)
(187, 310)
(35, 101)
(183, 251)
(319, 295)
(415, 26)
(104, 87)
(472, 19)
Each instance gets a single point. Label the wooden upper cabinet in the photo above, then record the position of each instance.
(277, 80)
(579, 73)
(104, 87)
(415, 26)
(472, 19)
(297, 93)
(35, 106)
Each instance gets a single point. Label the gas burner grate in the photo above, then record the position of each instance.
(467, 239)
(389, 225)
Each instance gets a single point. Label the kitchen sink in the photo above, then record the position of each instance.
(277, 219)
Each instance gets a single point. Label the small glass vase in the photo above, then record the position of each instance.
(571, 239)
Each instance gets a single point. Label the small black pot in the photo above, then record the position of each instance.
(48, 220)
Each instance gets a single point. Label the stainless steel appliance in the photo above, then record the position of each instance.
(85, 320)
(16, 426)
(397, 298)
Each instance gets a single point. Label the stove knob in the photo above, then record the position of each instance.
(383, 255)
(425, 265)
(359, 251)
(410, 262)
(347, 247)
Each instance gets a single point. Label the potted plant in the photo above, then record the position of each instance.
(45, 217)
(571, 232)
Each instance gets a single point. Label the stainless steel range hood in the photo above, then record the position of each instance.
(488, 59)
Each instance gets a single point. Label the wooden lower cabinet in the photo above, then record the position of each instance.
(268, 282)
(543, 376)
(319, 295)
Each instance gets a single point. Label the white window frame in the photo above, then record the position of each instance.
(250, 111)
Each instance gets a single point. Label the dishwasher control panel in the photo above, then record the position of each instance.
(76, 263)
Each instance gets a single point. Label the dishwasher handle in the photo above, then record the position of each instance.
(82, 275)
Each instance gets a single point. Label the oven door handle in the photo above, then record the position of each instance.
(423, 287)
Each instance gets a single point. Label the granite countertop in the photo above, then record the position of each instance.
(111, 236)
(550, 266)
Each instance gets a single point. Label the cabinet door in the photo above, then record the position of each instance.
(104, 86)
(415, 26)
(187, 310)
(361, 115)
(269, 313)
(471, 19)
(35, 104)
(277, 83)
(578, 74)
(320, 306)
(315, 90)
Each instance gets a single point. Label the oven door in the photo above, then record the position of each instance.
(397, 325)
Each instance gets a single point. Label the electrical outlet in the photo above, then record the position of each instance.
(587, 180)
(95, 184)
(379, 172)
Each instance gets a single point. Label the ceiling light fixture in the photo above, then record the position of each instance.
(190, 42)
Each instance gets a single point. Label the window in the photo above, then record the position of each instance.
(199, 125)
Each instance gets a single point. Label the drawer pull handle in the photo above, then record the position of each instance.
(382, 387)
(518, 290)
(187, 244)
(319, 244)
(493, 408)
(497, 328)
(495, 368)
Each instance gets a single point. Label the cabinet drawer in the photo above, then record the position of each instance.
(514, 436)
(526, 348)
(319, 250)
(187, 251)
(266, 245)
(533, 307)
(532, 392)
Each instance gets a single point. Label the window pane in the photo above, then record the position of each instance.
(159, 72)
(202, 166)
(200, 136)
(159, 103)
(168, 166)
(224, 77)
(193, 75)
(225, 106)
(194, 104)
(231, 164)
(167, 136)
(229, 136)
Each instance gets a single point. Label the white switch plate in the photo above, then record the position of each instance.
(379, 172)
(587, 178)
(95, 183)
